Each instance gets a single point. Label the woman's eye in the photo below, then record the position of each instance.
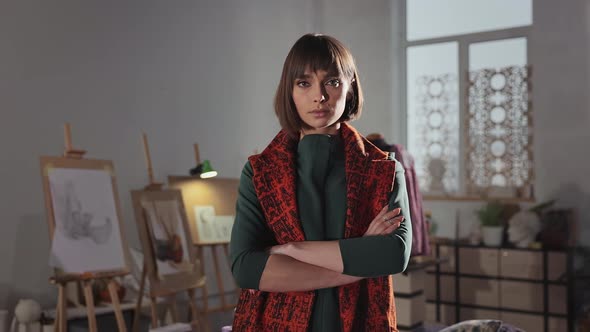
(334, 82)
(302, 84)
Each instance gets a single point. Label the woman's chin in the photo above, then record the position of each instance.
(322, 127)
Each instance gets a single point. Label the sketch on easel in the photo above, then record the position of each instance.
(169, 241)
(168, 258)
(86, 233)
(212, 228)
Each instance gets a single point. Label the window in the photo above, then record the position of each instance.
(467, 96)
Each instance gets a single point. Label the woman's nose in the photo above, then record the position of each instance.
(320, 99)
(321, 96)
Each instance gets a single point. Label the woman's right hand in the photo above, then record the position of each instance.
(385, 222)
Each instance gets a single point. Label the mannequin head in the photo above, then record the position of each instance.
(523, 228)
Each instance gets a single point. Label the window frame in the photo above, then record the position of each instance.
(463, 41)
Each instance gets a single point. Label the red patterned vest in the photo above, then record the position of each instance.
(366, 305)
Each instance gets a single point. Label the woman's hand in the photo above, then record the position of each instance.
(385, 222)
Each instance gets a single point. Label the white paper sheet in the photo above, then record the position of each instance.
(87, 235)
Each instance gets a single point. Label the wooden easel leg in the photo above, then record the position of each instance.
(173, 308)
(219, 278)
(154, 312)
(56, 326)
(90, 306)
(57, 322)
(60, 317)
(226, 249)
(198, 320)
(117, 306)
(139, 299)
(204, 291)
(192, 305)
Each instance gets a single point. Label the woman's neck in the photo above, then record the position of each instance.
(330, 130)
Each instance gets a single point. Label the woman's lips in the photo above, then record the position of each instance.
(320, 113)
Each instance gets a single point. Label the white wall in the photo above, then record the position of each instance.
(186, 72)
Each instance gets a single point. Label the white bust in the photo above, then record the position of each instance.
(523, 228)
(27, 311)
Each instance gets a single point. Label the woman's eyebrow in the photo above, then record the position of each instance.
(303, 76)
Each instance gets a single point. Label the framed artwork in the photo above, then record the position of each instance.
(211, 206)
(165, 240)
(84, 218)
(211, 227)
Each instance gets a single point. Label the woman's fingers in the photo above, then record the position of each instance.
(390, 223)
(391, 214)
(375, 221)
(384, 221)
(396, 222)
(382, 212)
(387, 226)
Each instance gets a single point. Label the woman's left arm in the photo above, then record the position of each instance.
(369, 256)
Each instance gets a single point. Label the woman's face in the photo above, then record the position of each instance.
(320, 99)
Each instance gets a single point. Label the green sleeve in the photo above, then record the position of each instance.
(374, 256)
(250, 236)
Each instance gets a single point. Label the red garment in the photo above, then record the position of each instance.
(367, 305)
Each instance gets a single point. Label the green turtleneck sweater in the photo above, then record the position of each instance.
(321, 199)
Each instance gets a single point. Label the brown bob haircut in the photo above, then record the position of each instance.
(316, 52)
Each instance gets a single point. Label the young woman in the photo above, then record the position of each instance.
(322, 215)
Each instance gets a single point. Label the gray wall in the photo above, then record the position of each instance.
(206, 72)
(561, 61)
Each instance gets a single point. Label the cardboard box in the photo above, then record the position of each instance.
(557, 264)
(479, 292)
(447, 288)
(521, 295)
(410, 311)
(526, 322)
(521, 264)
(447, 314)
(448, 252)
(430, 287)
(468, 314)
(408, 284)
(557, 324)
(557, 299)
(479, 261)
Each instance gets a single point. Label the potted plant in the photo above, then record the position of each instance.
(491, 223)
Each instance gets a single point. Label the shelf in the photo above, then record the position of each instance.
(423, 262)
(538, 282)
(453, 243)
(477, 199)
(485, 277)
(518, 311)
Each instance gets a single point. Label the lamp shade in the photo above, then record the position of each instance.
(207, 171)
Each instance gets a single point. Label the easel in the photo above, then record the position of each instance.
(60, 323)
(224, 306)
(87, 278)
(155, 188)
(227, 193)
